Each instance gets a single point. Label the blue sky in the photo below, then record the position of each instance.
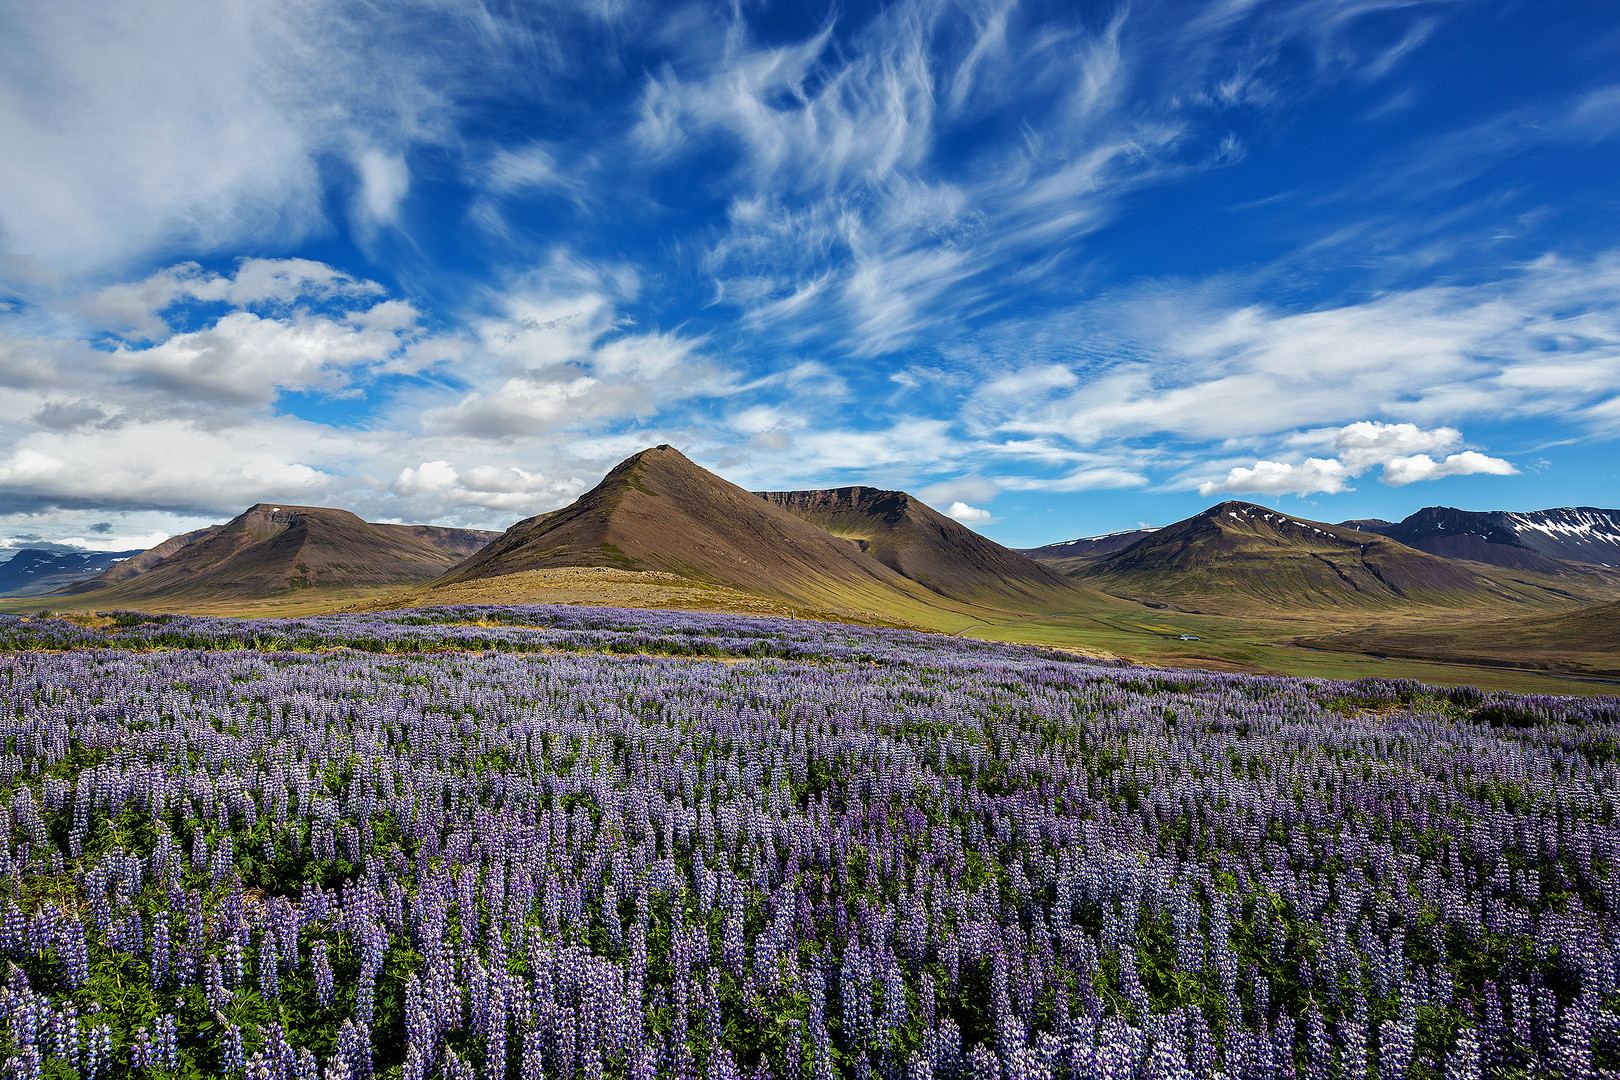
(1061, 269)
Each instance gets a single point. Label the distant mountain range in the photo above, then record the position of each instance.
(32, 572)
(1087, 547)
(861, 552)
(143, 561)
(1237, 557)
(1537, 540)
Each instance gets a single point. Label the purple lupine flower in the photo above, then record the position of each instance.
(230, 1049)
(323, 973)
(269, 961)
(1462, 1063)
(981, 1064)
(214, 989)
(98, 1053)
(165, 1048)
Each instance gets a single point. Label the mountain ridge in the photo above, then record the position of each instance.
(918, 542)
(657, 511)
(1537, 540)
(272, 549)
(36, 572)
(1238, 556)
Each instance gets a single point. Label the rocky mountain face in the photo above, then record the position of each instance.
(918, 542)
(1528, 540)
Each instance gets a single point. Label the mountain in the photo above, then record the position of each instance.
(917, 542)
(1067, 555)
(1537, 540)
(32, 572)
(1237, 557)
(657, 512)
(1584, 642)
(142, 561)
(461, 542)
(273, 550)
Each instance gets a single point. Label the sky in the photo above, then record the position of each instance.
(1058, 269)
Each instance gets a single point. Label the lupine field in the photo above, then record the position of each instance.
(514, 843)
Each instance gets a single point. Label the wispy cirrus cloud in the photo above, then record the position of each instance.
(1182, 362)
(448, 259)
(858, 208)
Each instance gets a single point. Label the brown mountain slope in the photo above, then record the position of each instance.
(1238, 558)
(657, 511)
(136, 565)
(1585, 642)
(458, 542)
(271, 550)
(924, 545)
(1068, 556)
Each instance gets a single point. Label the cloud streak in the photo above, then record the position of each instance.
(449, 259)
(1401, 450)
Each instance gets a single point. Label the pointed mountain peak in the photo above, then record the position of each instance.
(658, 511)
(1238, 556)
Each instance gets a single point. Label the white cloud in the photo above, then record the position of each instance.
(244, 358)
(1308, 477)
(532, 166)
(132, 125)
(1362, 446)
(384, 181)
(1407, 470)
(512, 489)
(577, 372)
(966, 514)
(1094, 479)
(1595, 116)
(848, 223)
(1367, 443)
(1181, 364)
(241, 359)
(961, 489)
(171, 464)
(135, 309)
(116, 543)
